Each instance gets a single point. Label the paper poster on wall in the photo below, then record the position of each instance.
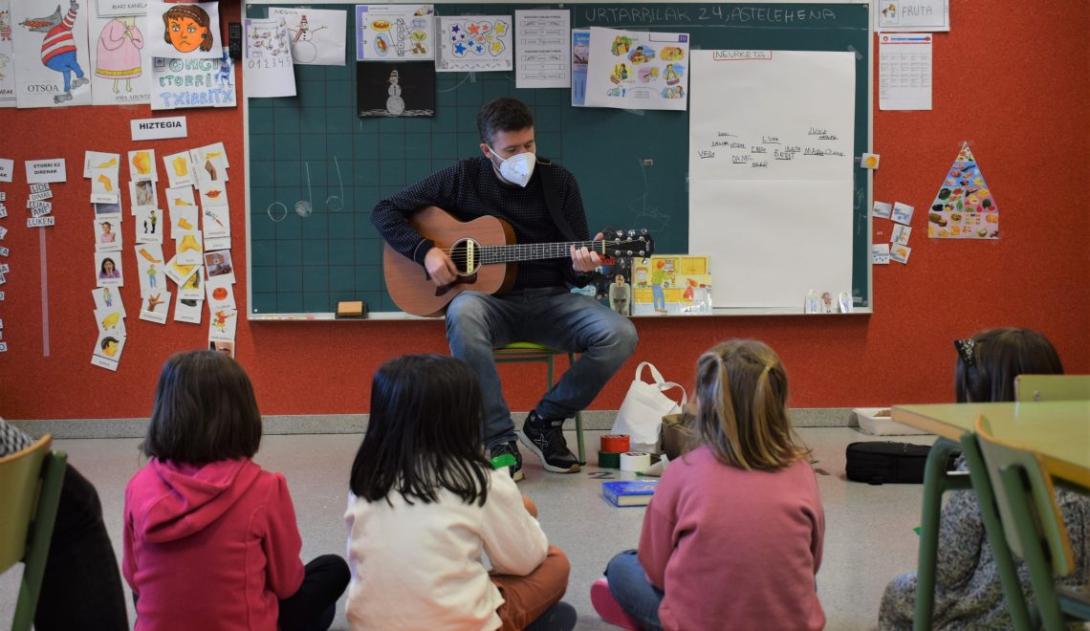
(184, 31)
(475, 43)
(671, 284)
(117, 61)
(267, 69)
(912, 15)
(52, 65)
(543, 41)
(770, 175)
(7, 56)
(182, 83)
(395, 89)
(638, 70)
(964, 207)
(317, 36)
(122, 7)
(392, 32)
(580, 57)
(904, 71)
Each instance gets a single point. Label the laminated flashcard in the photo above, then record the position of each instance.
(964, 207)
(178, 272)
(870, 161)
(107, 235)
(395, 89)
(179, 84)
(317, 36)
(883, 209)
(215, 154)
(902, 213)
(3, 232)
(218, 266)
(39, 208)
(52, 66)
(150, 267)
(108, 299)
(218, 243)
(901, 234)
(222, 324)
(7, 165)
(117, 59)
(183, 221)
(217, 222)
(188, 309)
(44, 172)
(220, 295)
(189, 249)
(4, 251)
(392, 32)
(213, 194)
(7, 60)
(107, 351)
(178, 169)
(267, 69)
(544, 46)
(38, 196)
(475, 43)
(108, 272)
(142, 195)
(99, 161)
(184, 31)
(879, 253)
(149, 225)
(108, 211)
(223, 346)
(110, 322)
(192, 288)
(899, 253)
(142, 165)
(638, 70)
(41, 222)
(154, 306)
(105, 188)
(3, 211)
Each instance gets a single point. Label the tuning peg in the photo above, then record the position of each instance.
(620, 234)
(643, 231)
(630, 252)
(642, 253)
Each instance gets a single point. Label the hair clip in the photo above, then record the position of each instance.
(965, 350)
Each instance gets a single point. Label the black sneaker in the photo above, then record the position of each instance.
(545, 437)
(511, 450)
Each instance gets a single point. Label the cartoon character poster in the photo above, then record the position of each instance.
(7, 57)
(390, 32)
(964, 207)
(117, 49)
(670, 284)
(475, 43)
(184, 31)
(52, 64)
(638, 70)
(317, 36)
(395, 89)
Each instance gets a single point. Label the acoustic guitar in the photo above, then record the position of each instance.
(486, 255)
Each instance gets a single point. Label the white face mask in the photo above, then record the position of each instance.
(518, 168)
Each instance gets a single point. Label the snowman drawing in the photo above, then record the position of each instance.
(395, 105)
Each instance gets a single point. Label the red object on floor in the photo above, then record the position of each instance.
(608, 608)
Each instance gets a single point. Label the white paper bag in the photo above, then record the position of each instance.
(644, 406)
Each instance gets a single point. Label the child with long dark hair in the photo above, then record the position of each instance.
(968, 591)
(426, 505)
(211, 540)
(733, 536)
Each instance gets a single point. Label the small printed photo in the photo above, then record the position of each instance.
(154, 307)
(142, 165)
(149, 225)
(178, 168)
(107, 351)
(98, 160)
(217, 221)
(142, 194)
(226, 347)
(220, 295)
(188, 309)
(107, 210)
(110, 322)
(107, 299)
(189, 249)
(178, 272)
(107, 235)
(214, 194)
(192, 288)
(223, 324)
(219, 265)
(108, 271)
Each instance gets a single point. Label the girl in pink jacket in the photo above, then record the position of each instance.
(210, 537)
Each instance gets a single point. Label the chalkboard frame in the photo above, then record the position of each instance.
(862, 269)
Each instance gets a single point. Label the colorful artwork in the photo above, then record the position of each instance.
(396, 89)
(637, 70)
(964, 207)
(475, 43)
(184, 31)
(317, 36)
(118, 64)
(580, 58)
(390, 32)
(267, 67)
(671, 284)
(50, 55)
(7, 59)
(181, 83)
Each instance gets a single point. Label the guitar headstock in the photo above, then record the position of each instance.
(630, 244)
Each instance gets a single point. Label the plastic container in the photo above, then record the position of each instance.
(877, 421)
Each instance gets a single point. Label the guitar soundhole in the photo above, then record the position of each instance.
(466, 255)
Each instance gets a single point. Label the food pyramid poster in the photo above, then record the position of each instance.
(964, 207)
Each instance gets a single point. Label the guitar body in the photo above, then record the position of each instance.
(407, 281)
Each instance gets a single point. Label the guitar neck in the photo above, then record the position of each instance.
(514, 253)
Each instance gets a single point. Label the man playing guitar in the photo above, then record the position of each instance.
(541, 202)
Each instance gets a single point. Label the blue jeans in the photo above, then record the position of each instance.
(633, 592)
(658, 297)
(554, 317)
(66, 64)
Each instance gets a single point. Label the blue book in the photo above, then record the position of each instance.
(629, 492)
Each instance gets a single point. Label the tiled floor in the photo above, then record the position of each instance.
(868, 535)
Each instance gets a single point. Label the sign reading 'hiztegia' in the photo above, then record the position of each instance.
(156, 128)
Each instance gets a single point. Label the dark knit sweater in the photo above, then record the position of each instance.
(470, 189)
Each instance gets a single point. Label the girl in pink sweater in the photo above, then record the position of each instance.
(733, 536)
(210, 537)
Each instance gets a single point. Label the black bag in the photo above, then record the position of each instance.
(886, 462)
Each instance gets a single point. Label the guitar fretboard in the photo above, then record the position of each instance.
(490, 254)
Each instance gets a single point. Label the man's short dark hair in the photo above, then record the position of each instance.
(502, 114)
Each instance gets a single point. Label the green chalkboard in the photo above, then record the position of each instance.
(631, 165)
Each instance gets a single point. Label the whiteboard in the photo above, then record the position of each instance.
(770, 174)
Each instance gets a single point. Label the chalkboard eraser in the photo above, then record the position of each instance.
(351, 309)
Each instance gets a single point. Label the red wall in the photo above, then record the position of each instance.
(1013, 82)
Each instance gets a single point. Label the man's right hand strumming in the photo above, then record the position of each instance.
(440, 268)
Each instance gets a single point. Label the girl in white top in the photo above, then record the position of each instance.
(426, 506)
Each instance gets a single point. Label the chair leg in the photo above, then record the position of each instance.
(578, 421)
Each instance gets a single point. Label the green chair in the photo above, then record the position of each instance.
(529, 352)
(1052, 387)
(30, 483)
(1035, 529)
